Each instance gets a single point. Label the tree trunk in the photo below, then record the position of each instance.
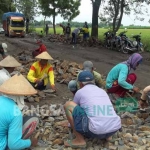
(116, 9)
(44, 20)
(54, 22)
(9, 6)
(119, 10)
(27, 25)
(44, 24)
(121, 15)
(95, 13)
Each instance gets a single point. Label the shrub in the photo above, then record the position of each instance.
(32, 28)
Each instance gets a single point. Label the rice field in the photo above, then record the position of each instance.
(145, 34)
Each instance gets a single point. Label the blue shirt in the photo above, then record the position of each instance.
(11, 126)
(118, 73)
(99, 109)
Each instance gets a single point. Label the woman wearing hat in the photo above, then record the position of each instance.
(120, 80)
(9, 64)
(10, 115)
(3, 49)
(41, 72)
(42, 48)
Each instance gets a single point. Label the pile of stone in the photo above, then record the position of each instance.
(61, 38)
(135, 133)
(64, 70)
(41, 95)
(47, 131)
(56, 38)
(91, 42)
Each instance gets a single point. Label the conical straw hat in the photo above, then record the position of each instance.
(9, 61)
(17, 85)
(44, 55)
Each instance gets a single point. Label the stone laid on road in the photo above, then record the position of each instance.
(51, 134)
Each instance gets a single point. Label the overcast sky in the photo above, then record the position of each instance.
(86, 15)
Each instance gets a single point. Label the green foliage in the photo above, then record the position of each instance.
(76, 24)
(27, 7)
(113, 10)
(68, 9)
(6, 6)
(73, 24)
(41, 23)
(32, 28)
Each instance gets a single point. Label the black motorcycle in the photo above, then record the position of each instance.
(129, 46)
(108, 38)
(120, 40)
(113, 41)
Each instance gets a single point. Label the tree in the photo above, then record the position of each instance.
(28, 8)
(114, 10)
(6, 6)
(113, 13)
(95, 12)
(139, 8)
(68, 9)
(41, 23)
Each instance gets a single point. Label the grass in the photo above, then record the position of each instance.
(145, 34)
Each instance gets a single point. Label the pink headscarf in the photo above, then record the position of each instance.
(133, 61)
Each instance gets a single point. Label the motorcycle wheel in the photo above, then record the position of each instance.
(105, 44)
(124, 50)
(118, 47)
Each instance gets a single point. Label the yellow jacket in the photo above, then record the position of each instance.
(86, 30)
(36, 72)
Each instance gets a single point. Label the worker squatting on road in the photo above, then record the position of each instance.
(41, 72)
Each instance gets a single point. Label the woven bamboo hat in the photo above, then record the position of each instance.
(44, 55)
(9, 61)
(17, 85)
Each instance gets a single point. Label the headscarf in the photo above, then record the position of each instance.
(133, 61)
(18, 99)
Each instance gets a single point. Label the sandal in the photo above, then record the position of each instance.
(69, 142)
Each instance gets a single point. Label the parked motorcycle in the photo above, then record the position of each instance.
(113, 41)
(119, 40)
(108, 38)
(130, 46)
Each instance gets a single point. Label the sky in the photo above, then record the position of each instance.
(86, 15)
